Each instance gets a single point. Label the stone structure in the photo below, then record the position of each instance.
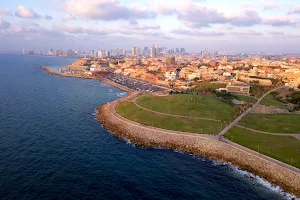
(199, 145)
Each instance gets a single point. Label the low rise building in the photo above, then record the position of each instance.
(236, 88)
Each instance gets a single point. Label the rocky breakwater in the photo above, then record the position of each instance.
(50, 71)
(144, 136)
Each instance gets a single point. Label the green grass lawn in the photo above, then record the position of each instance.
(283, 148)
(245, 98)
(270, 100)
(130, 111)
(189, 105)
(276, 123)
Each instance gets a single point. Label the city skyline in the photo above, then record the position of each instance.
(234, 26)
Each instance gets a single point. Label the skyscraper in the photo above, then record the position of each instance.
(133, 51)
(153, 51)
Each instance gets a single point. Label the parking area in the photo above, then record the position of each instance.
(136, 84)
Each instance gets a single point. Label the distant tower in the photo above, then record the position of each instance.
(153, 51)
(23, 52)
(134, 51)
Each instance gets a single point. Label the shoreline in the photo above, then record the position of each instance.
(275, 174)
(288, 180)
(52, 72)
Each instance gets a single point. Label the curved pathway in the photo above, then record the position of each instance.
(236, 121)
(202, 136)
(134, 101)
(282, 164)
(296, 135)
(133, 95)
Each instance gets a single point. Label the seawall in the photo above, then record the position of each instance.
(50, 71)
(288, 180)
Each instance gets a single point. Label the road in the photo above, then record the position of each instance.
(236, 121)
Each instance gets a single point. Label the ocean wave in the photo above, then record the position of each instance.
(230, 166)
(130, 143)
(95, 114)
(263, 182)
(121, 94)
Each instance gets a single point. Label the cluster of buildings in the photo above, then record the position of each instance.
(179, 69)
(136, 52)
(183, 70)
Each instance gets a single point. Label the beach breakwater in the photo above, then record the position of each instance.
(52, 72)
(288, 180)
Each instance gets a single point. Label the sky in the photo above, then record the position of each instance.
(217, 25)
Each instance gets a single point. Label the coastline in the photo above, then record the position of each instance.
(288, 180)
(52, 72)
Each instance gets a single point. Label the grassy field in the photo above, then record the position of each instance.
(189, 105)
(283, 148)
(130, 111)
(273, 123)
(245, 98)
(270, 100)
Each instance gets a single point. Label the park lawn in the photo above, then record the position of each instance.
(245, 98)
(275, 123)
(283, 148)
(130, 111)
(189, 105)
(270, 100)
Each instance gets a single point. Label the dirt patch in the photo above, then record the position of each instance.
(269, 110)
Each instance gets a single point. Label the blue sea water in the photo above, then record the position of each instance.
(52, 147)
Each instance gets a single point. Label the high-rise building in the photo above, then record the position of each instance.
(145, 51)
(153, 51)
(57, 52)
(133, 52)
(70, 53)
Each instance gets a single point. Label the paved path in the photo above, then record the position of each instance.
(236, 121)
(296, 135)
(282, 164)
(134, 101)
(202, 136)
(135, 94)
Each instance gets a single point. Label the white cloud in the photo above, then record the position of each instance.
(247, 33)
(5, 11)
(294, 11)
(67, 28)
(197, 32)
(107, 10)
(281, 21)
(67, 16)
(24, 12)
(266, 5)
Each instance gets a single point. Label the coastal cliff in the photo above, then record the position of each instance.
(288, 180)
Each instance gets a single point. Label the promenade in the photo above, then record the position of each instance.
(276, 172)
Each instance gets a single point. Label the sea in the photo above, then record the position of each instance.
(53, 147)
